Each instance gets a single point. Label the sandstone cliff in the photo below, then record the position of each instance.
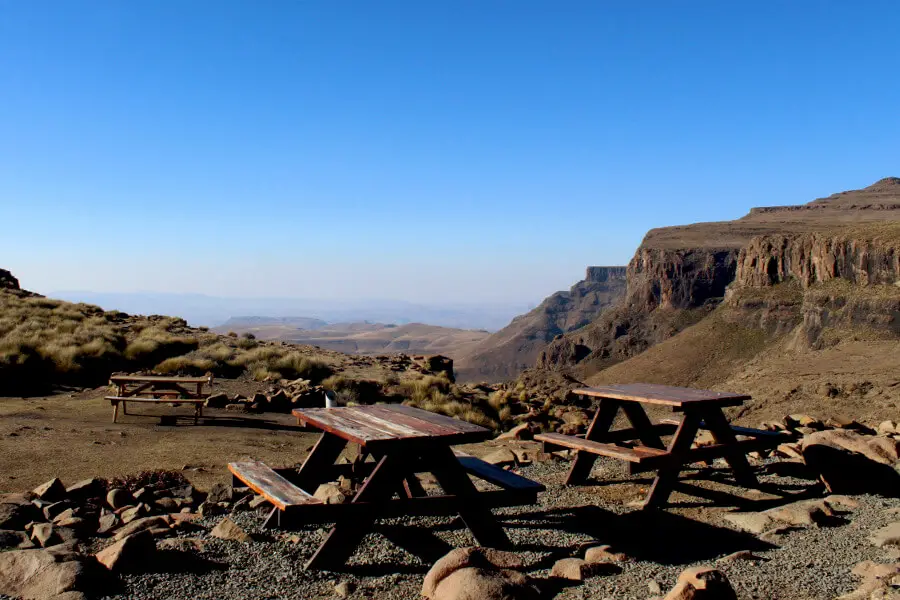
(679, 274)
(514, 348)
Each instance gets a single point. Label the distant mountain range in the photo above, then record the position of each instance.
(213, 311)
(359, 338)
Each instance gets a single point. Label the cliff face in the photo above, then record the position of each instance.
(514, 348)
(7, 281)
(679, 274)
(818, 258)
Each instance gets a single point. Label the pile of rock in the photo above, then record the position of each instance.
(295, 394)
(63, 541)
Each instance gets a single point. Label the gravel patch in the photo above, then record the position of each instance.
(804, 564)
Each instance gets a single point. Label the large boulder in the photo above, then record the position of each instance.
(702, 583)
(51, 491)
(851, 463)
(43, 575)
(477, 574)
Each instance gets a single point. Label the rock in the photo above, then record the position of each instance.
(887, 447)
(789, 450)
(738, 556)
(39, 575)
(130, 514)
(43, 534)
(216, 400)
(878, 579)
(654, 588)
(330, 494)
(66, 514)
(237, 407)
(501, 456)
(51, 511)
(835, 501)
(887, 536)
(119, 497)
(258, 501)
(343, 589)
(888, 428)
(702, 583)
(139, 525)
(229, 530)
(185, 492)
(211, 509)
(848, 463)
(468, 574)
(51, 491)
(803, 512)
(753, 522)
(574, 569)
(220, 492)
(14, 539)
(181, 545)
(107, 523)
(129, 554)
(16, 510)
(166, 504)
(280, 402)
(86, 489)
(519, 432)
(603, 554)
(78, 524)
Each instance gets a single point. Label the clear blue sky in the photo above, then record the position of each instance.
(431, 151)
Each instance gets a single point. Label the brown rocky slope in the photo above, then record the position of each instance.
(514, 348)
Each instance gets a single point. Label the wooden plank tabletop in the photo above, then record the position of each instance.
(666, 395)
(156, 379)
(384, 424)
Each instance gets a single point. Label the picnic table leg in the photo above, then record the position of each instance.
(347, 533)
(115, 406)
(454, 480)
(600, 425)
(722, 433)
(644, 428)
(317, 465)
(667, 476)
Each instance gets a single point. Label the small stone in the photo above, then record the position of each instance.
(237, 407)
(216, 400)
(52, 510)
(887, 536)
(181, 544)
(139, 525)
(52, 491)
(43, 534)
(501, 456)
(519, 432)
(654, 587)
(211, 509)
(130, 514)
(753, 522)
(343, 589)
(603, 554)
(229, 530)
(330, 494)
(220, 492)
(574, 569)
(119, 497)
(702, 583)
(66, 514)
(129, 554)
(166, 504)
(107, 523)
(85, 489)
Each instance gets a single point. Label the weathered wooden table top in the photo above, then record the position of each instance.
(156, 379)
(391, 424)
(666, 395)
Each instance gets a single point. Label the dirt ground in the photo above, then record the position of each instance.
(72, 436)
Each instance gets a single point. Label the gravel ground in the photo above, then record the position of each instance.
(806, 564)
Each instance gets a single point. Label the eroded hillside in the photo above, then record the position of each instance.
(517, 346)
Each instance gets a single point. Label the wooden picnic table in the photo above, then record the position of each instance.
(156, 389)
(403, 441)
(642, 446)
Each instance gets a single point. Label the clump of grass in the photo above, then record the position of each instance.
(182, 365)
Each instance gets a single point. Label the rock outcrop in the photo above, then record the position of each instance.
(7, 281)
(516, 347)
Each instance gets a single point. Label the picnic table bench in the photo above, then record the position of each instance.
(158, 389)
(642, 446)
(403, 441)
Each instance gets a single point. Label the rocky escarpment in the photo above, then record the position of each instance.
(667, 290)
(516, 347)
(7, 281)
(819, 258)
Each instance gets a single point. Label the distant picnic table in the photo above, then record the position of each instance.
(642, 446)
(402, 441)
(158, 389)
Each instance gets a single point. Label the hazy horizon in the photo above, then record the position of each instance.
(433, 152)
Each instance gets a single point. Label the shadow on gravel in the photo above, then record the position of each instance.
(178, 561)
(248, 422)
(655, 536)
